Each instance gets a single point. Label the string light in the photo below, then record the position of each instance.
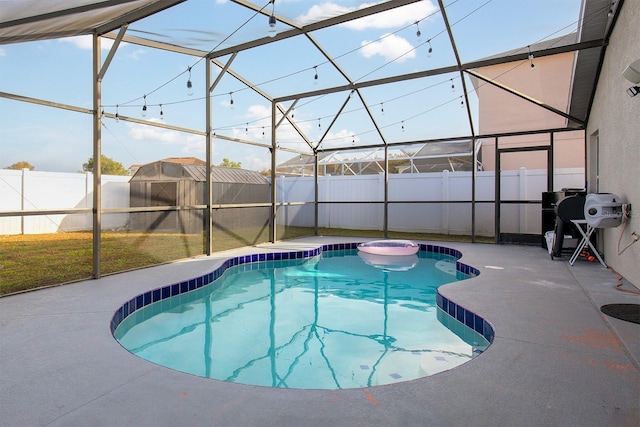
(263, 131)
(293, 110)
(189, 84)
(461, 102)
(246, 128)
(272, 20)
(531, 57)
(315, 77)
(353, 139)
(231, 99)
(144, 107)
(161, 113)
(453, 87)
(610, 13)
(117, 116)
(382, 107)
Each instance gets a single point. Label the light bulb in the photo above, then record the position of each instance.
(117, 117)
(382, 107)
(453, 87)
(231, 99)
(531, 57)
(189, 84)
(315, 77)
(418, 33)
(403, 126)
(161, 113)
(272, 26)
(144, 107)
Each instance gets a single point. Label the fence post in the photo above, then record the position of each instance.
(328, 191)
(22, 191)
(522, 195)
(88, 188)
(445, 199)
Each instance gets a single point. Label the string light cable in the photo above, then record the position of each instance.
(188, 70)
(337, 57)
(253, 87)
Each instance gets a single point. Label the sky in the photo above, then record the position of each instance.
(384, 45)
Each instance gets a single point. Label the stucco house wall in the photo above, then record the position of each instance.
(615, 121)
(548, 81)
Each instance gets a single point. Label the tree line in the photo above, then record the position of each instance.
(109, 166)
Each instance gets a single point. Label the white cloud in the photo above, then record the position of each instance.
(342, 138)
(3, 52)
(389, 47)
(322, 11)
(86, 42)
(136, 54)
(394, 18)
(191, 144)
(256, 163)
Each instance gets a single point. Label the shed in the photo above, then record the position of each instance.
(182, 182)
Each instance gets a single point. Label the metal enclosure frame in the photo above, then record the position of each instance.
(464, 69)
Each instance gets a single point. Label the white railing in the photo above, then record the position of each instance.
(32, 190)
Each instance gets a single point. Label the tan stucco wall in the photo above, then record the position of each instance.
(616, 118)
(499, 111)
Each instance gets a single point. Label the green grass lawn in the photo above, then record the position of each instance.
(33, 261)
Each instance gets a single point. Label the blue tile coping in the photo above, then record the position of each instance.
(447, 307)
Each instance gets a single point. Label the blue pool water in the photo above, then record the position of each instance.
(336, 320)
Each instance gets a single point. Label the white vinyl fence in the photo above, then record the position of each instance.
(31, 190)
(445, 218)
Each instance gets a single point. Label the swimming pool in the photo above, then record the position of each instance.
(324, 319)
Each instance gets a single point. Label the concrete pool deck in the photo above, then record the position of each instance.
(555, 360)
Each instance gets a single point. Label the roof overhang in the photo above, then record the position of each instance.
(24, 21)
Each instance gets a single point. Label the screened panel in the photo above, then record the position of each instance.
(37, 257)
(238, 227)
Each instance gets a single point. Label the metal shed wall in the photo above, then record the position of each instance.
(172, 184)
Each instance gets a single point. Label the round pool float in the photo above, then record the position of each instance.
(391, 247)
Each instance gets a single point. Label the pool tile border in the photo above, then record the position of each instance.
(253, 261)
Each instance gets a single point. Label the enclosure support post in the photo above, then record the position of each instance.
(550, 164)
(474, 160)
(97, 151)
(274, 194)
(496, 196)
(209, 149)
(316, 192)
(386, 191)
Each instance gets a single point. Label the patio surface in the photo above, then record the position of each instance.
(556, 359)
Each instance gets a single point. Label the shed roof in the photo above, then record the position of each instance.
(170, 170)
